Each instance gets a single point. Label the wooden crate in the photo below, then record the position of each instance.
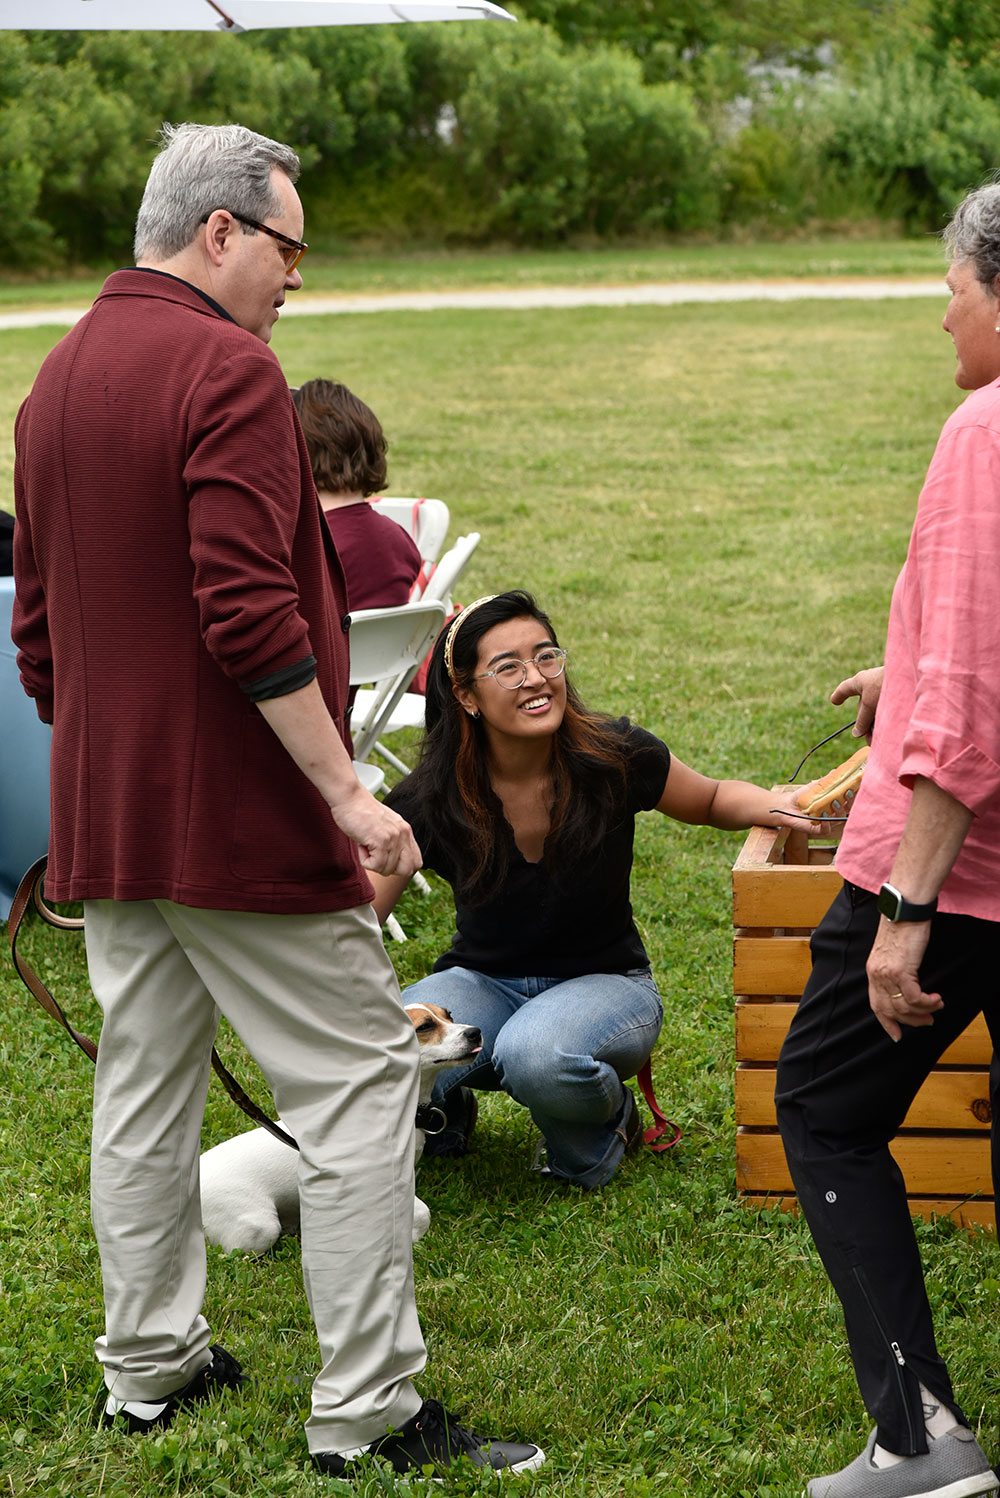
(783, 884)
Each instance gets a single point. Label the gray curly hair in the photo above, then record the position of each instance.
(974, 233)
(201, 168)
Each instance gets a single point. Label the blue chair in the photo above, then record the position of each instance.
(24, 766)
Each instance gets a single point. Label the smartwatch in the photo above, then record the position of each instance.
(895, 907)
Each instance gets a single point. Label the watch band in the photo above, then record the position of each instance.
(896, 907)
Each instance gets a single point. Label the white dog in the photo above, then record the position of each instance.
(249, 1186)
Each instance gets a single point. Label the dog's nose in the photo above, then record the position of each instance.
(474, 1036)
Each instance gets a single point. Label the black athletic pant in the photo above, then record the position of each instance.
(843, 1090)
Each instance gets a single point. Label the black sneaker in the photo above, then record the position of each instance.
(433, 1438)
(137, 1416)
(461, 1109)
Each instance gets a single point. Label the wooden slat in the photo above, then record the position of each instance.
(770, 964)
(761, 1028)
(762, 845)
(780, 883)
(799, 895)
(978, 1212)
(954, 1165)
(947, 1100)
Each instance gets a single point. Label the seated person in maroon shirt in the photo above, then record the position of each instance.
(347, 450)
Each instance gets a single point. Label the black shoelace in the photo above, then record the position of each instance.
(441, 1432)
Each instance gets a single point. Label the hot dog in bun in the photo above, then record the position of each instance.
(832, 796)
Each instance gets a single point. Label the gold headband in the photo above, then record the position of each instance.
(456, 625)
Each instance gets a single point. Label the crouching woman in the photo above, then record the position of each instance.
(525, 803)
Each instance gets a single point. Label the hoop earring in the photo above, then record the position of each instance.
(476, 715)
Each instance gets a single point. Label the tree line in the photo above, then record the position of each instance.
(586, 121)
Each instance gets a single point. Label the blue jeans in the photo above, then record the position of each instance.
(561, 1047)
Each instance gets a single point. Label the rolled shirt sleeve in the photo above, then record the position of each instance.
(939, 712)
(952, 592)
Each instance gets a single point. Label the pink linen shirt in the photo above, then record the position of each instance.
(939, 712)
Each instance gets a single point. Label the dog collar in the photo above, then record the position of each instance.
(430, 1118)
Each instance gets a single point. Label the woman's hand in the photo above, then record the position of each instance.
(785, 811)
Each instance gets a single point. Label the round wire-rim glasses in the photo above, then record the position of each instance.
(550, 662)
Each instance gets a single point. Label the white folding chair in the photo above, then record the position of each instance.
(426, 521)
(387, 646)
(408, 711)
(450, 568)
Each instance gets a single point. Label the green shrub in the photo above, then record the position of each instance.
(648, 152)
(447, 134)
(79, 114)
(918, 138)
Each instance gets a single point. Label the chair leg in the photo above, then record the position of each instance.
(390, 758)
(419, 882)
(394, 929)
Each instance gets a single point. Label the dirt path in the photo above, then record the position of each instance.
(666, 294)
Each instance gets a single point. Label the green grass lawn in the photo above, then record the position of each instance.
(713, 503)
(358, 271)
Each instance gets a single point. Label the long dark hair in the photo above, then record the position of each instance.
(452, 778)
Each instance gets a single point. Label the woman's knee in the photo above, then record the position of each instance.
(552, 1081)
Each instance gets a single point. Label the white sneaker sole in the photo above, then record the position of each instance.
(531, 1465)
(963, 1487)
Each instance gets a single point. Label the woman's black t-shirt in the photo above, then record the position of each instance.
(545, 925)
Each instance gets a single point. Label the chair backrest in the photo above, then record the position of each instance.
(384, 642)
(24, 766)
(449, 569)
(426, 520)
(387, 646)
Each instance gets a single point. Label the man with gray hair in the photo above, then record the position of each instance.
(181, 621)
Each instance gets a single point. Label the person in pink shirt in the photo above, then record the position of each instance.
(909, 952)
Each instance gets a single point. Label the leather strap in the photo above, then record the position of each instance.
(29, 893)
(644, 1077)
(28, 896)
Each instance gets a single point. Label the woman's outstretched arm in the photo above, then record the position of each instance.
(729, 804)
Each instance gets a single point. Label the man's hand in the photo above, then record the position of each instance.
(868, 686)
(304, 726)
(894, 989)
(387, 844)
(933, 836)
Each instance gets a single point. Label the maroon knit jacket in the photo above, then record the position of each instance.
(169, 554)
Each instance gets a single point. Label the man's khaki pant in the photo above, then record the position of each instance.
(315, 1001)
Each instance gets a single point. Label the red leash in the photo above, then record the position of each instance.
(644, 1077)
